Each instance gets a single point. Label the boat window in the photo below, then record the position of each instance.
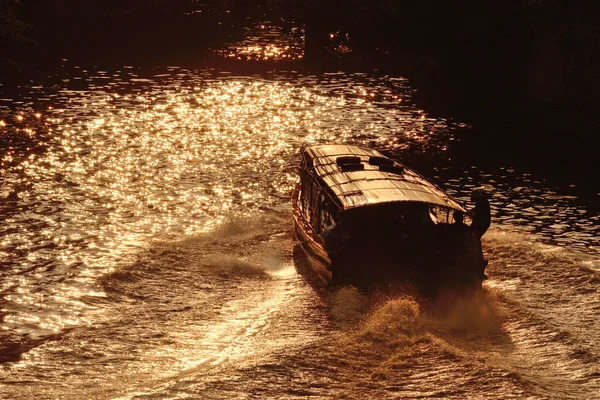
(305, 191)
(441, 214)
(315, 201)
(390, 218)
(328, 214)
(467, 220)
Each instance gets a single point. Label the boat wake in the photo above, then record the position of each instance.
(227, 313)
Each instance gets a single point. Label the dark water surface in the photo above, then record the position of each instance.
(145, 246)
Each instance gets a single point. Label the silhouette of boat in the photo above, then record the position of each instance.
(361, 217)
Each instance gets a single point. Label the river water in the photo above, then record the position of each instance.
(146, 249)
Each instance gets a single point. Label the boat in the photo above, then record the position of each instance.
(360, 217)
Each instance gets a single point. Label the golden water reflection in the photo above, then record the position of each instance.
(267, 42)
(92, 179)
(169, 156)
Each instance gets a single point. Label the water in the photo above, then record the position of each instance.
(146, 252)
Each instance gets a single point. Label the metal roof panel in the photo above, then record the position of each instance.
(372, 186)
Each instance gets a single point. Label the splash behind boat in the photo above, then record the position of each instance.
(361, 217)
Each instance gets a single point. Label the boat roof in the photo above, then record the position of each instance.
(372, 185)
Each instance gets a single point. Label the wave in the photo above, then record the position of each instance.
(237, 248)
(226, 265)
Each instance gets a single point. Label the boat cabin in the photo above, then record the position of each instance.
(369, 190)
(359, 216)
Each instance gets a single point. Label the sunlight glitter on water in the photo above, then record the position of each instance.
(174, 159)
(267, 42)
(176, 153)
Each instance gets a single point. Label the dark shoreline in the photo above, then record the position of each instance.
(503, 123)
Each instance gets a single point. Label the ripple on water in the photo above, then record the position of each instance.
(105, 170)
(174, 157)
